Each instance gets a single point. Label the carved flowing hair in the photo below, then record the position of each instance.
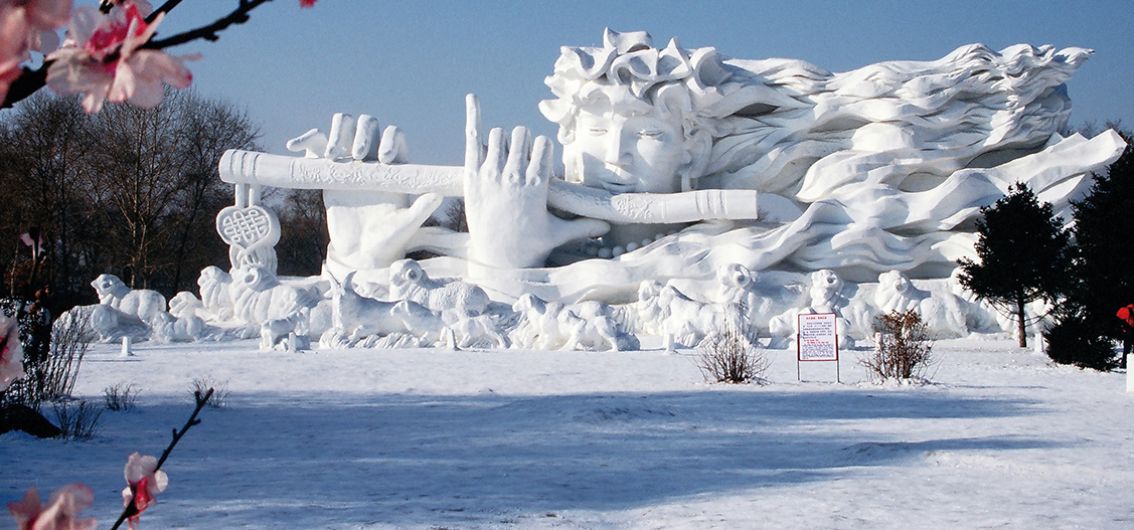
(790, 127)
(628, 71)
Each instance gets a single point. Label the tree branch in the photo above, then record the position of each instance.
(129, 510)
(164, 8)
(208, 31)
(31, 81)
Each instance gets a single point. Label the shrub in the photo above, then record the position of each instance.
(120, 396)
(76, 420)
(1073, 340)
(729, 356)
(219, 397)
(903, 349)
(51, 376)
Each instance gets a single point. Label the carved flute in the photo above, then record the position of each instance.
(251, 167)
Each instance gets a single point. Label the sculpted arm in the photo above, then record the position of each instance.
(368, 228)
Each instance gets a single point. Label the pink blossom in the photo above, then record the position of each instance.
(107, 63)
(60, 514)
(306, 3)
(145, 482)
(27, 25)
(11, 352)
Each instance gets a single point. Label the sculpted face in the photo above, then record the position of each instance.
(628, 149)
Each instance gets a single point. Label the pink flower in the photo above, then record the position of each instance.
(306, 3)
(11, 352)
(60, 514)
(27, 25)
(107, 62)
(145, 482)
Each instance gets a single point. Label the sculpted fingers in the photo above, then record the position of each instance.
(517, 155)
(473, 151)
(341, 136)
(365, 145)
(393, 148)
(579, 229)
(539, 168)
(312, 142)
(494, 158)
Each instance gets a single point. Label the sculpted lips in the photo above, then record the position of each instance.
(616, 180)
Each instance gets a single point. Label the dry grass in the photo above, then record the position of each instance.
(730, 356)
(903, 351)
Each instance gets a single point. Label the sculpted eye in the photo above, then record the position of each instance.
(650, 133)
(596, 131)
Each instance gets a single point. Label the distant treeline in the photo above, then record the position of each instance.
(128, 191)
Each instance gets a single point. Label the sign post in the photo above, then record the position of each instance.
(817, 341)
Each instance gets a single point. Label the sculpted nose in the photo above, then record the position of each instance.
(617, 149)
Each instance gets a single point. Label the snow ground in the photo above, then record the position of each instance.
(431, 439)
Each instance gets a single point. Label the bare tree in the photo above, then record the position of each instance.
(158, 185)
(128, 187)
(303, 243)
(45, 154)
(219, 126)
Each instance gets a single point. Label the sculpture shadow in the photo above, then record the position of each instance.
(417, 460)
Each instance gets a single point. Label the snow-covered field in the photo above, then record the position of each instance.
(428, 439)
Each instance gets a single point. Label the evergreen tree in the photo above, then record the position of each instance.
(1104, 270)
(1104, 259)
(1023, 255)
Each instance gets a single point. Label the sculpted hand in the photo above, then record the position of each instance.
(506, 198)
(351, 138)
(368, 229)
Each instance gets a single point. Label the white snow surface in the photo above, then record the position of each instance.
(1001, 438)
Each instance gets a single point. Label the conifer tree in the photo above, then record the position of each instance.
(1023, 255)
(1103, 281)
(1104, 241)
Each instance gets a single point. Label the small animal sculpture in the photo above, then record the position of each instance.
(169, 328)
(142, 303)
(184, 304)
(827, 292)
(408, 281)
(470, 331)
(107, 323)
(215, 285)
(360, 316)
(274, 333)
(944, 315)
(551, 325)
(258, 296)
(539, 323)
(687, 320)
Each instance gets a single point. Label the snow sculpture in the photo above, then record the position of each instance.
(665, 150)
(408, 281)
(250, 230)
(184, 305)
(110, 324)
(551, 325)
(828, 293)
(681, 321)
(121, 311)
(943, 316)
(169, 328)
(142, 303)
(357, 317)
(272, 308)
(258, 296)
(215, 285)
(476, 331)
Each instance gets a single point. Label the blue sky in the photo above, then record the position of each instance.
(410, 63)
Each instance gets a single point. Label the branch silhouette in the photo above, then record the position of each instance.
(129, 510)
